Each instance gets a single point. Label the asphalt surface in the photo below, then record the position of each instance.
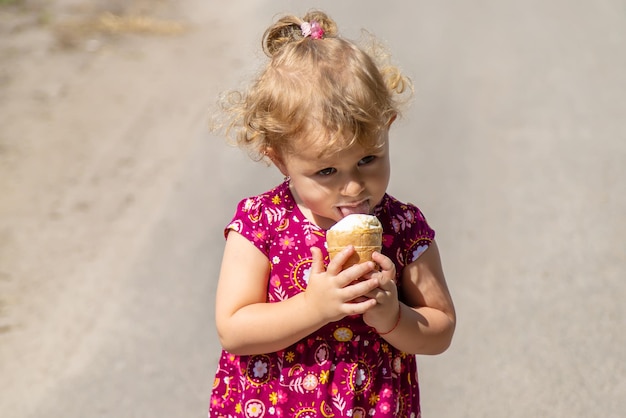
(514, 148)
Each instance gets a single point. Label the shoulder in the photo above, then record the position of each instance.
(405, 228)
(263, 210)
(398, 216)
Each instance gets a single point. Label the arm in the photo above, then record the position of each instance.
(427, 317)
(248, 324)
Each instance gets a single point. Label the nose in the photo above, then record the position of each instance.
(353, 186)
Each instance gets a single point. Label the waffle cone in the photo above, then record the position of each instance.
(365, 242)
(361, 255)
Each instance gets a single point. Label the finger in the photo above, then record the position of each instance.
(357, 308)
(371, 274)
(357, 289)
(336, 264)
(376, 275)
(385, 282)
(356, 273)
(383, 261)
(384, 285)
(382, 298)
(317, 265)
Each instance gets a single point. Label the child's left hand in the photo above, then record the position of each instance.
(384, 314)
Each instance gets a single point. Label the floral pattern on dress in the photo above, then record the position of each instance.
(343, 369)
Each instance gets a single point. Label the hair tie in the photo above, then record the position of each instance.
(313, 29)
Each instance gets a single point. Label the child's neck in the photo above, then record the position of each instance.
(320, 221)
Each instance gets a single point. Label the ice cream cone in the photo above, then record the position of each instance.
(364, 232)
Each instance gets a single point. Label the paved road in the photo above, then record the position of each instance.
(515, 148)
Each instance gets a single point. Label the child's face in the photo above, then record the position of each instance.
(327, 189)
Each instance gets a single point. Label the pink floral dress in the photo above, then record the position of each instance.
(343, 369)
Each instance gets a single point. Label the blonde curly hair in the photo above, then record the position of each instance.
(329, 92)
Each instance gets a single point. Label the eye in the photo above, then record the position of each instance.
(327, 171)
(367, 160)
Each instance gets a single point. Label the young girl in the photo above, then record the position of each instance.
(302, 336)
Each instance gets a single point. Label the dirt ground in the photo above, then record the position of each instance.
(514, 149)
(90, 137)
(56, 102)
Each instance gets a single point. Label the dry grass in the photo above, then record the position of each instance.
(71, 33)
(110, 23)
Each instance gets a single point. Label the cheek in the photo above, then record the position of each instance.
(380, 178)
(319, 200)
(377, 185)
(314, 196)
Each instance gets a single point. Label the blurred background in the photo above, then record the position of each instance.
(114, 195)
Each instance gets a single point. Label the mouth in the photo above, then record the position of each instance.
(362, 207)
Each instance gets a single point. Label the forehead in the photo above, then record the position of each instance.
(322, 153)
(327, 146)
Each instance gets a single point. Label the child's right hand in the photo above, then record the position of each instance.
(334, 293)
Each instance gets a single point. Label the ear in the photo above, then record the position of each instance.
(392, 120)
(276, 160)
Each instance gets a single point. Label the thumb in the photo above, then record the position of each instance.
(317, 266)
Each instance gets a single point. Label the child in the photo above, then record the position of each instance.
(301, 336)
